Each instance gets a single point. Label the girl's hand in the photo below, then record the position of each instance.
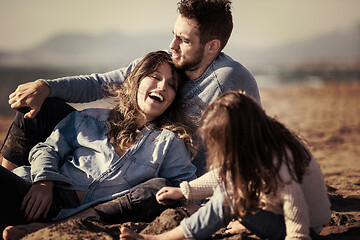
(38, 200)
(167, 195)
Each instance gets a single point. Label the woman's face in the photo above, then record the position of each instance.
(156, 92)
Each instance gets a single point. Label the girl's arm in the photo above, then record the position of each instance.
(201, 187)
(200, 225)
(167, 195)
(196, 189)
(295, 208)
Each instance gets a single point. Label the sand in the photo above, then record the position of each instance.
(327, 116)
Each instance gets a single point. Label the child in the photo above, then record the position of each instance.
(268, 179)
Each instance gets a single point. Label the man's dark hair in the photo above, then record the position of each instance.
(214, 18)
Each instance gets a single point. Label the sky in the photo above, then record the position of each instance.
(257, 23)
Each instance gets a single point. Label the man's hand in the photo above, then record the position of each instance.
(38, 200)
(167, 195)
(32, 95)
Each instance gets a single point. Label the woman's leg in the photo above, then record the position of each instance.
(138, 205)
(13, 189)
(62, 199)
(25, 133)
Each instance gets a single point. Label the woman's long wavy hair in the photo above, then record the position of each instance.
(121, 125)
(242, 142)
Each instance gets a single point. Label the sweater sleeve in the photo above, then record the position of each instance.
(87, 88)
(295, 208)
(201, 187)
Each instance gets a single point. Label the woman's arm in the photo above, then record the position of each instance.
(46, 158)
(176, 166)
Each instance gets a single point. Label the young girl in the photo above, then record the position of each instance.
(268, 179)
(96, 155)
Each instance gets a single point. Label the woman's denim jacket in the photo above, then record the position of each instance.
(79, 156)
(223, 74)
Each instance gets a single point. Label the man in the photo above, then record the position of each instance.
(201, 31)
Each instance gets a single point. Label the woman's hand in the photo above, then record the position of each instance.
(38, 200)
(167, 195)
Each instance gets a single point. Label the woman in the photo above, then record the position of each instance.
(98, 154)
(269, 180)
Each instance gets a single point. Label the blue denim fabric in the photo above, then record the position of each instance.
(222, 75)
(78, 156)
(208, 219)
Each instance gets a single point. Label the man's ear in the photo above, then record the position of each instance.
(213, 46)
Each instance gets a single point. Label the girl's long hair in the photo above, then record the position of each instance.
(243, 142)
(121, 124)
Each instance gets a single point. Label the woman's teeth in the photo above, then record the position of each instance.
(156, 96)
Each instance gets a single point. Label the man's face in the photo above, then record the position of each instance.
(186, 48)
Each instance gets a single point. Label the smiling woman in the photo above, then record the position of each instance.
(156, 93)
(97, 155)
(149, 96)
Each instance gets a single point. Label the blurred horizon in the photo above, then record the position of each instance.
(280, 42)
(257, 24)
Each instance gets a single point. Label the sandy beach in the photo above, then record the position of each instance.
(327, 116)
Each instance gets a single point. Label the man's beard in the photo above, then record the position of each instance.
(191, 64)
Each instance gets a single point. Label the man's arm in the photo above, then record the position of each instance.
(240, 79)
(75, 89)
(31, 95)
(232, 75)
(87, 88)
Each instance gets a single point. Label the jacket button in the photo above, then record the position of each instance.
(109, 170)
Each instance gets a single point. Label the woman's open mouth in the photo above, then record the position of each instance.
(156, 96)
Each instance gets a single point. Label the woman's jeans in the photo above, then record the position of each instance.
(13, 189)
(138, 205)
(26, 133)
(213, 216)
